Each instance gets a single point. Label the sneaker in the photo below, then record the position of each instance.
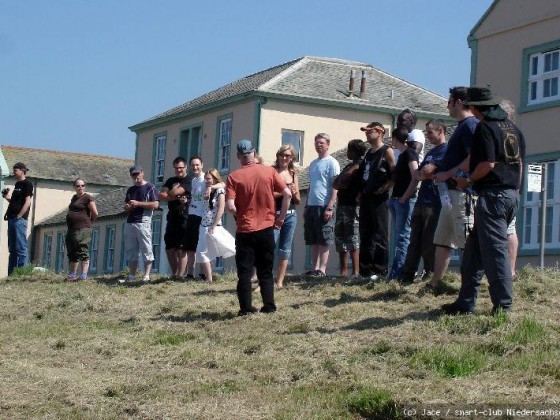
(309, 273)
(146, 279)
(251, 310)
(318, 273)
(455, 309)
(188, 277)
(268, 309)
(130, 277)
(373, 277)
(83, 276)
(72, 277)
(202, 276)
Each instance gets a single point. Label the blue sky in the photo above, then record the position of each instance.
(75, 74)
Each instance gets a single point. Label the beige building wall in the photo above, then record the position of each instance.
(243, 117)
(511, 27)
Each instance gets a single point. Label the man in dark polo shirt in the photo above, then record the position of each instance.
(16, 215)
(495, 166)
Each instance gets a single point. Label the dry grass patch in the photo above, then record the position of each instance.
(335, 349)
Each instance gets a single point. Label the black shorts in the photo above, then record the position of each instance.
(176, 233)
(193, 226)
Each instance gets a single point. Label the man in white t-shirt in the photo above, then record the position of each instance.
(319, 211)
(196, 211)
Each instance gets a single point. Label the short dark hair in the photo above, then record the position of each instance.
(179, 159)
(458, 92)
(193, 157)
(401, 134)
(357, 146)
(437, 124)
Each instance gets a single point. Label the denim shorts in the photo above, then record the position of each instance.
(284, 237)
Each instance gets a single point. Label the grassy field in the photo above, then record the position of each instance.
(335, 349)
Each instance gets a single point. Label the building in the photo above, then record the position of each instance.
(288, 103)
(52, 174)
(526, 38)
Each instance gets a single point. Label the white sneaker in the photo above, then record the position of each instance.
(374, 277)
(130, 277)
(146, 279)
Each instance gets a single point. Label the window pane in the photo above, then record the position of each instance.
(554, 86)
(550, 181)
(293, 138)
(546, 88)
(547, 62)
(527, 225)
(534, 65)
(533, 91)
(555, 56)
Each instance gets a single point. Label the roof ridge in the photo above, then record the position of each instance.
(282, 75)
(2, 146)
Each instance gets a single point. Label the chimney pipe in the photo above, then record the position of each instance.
(351, 85)
(363, 85)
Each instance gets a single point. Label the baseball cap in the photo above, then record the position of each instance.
(377, 126)
(20, 165)
(244, 147)
(136, 169)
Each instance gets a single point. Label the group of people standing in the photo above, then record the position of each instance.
(463, 195)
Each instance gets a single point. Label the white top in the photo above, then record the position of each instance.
(321, 175)
(418, 135)
(197, 196)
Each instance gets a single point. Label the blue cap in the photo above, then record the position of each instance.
(245, 147)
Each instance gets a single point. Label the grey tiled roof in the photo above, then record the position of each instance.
(67, 166)
(317, 79)
(109, 204)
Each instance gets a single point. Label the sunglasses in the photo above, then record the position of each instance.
(79, 185)
(285, 155)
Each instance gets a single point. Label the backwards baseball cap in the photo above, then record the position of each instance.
(136, 169)
(244, 147)
(377, 126)
(21, 165)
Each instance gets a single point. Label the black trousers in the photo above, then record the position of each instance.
(255, 249)
(374, 234)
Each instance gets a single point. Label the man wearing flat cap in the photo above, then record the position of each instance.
(495, 167)
(16, 215)
(250, 198)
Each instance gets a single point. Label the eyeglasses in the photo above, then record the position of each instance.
(79, 185)
(134, 175)
(285, 155)
(178, 168)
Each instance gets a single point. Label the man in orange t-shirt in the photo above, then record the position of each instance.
(250, 198)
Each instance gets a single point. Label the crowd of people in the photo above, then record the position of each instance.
(460, 194)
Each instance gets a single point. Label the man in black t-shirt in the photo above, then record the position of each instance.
(16, 215)
(176, 191)
(495, 166)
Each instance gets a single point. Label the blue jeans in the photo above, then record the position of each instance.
(400, 223)
(17, 243)
(284, 237)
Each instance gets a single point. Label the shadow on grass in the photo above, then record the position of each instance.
(377, 323)
(191, 316)
(385, 295)
(309, 282)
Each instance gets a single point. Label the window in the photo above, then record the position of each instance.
(532, 213)
(541, 71)
(60, 254)
(224, 143)
(124, 260)
(159, 157)
(94, 250)
(295, 138)
(109, 248)
(156, 242)
(47, 245)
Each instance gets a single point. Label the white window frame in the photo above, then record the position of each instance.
(159, 158)
(110, 234)
(47, 249)
(544, 77)
(224, 143)
(156, 242)
(94, 250)
(295, 138)
(532, 213)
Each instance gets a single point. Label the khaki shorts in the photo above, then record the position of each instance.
(511, 227)
(452, 224)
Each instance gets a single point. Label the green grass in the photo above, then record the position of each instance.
(334, 350)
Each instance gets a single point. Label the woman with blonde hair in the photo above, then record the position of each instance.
(211, 219)
(285, 166)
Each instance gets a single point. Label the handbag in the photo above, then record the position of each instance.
(220, 244)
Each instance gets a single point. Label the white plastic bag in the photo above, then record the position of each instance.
(220, 244)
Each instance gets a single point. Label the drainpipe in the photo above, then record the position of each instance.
(257, 133)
